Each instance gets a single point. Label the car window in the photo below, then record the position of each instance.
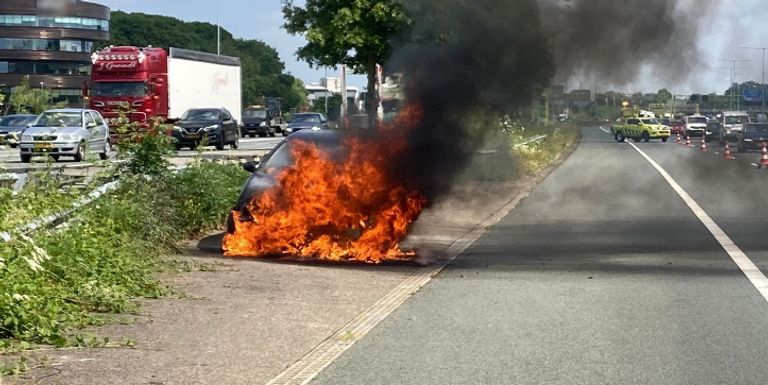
(98, 118)
(89, 119)
(201, 115)
(633, 121)
(309, 118)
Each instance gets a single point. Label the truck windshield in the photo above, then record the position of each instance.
(134, 89)
(255, 114)
(201, 115)
(737, 119)
(59, 119)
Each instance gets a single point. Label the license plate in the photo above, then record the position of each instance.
(43, 146)
(192, 136)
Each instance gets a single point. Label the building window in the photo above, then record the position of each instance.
(57, 22)
(70, 96)
(44, 68)
(47, 45)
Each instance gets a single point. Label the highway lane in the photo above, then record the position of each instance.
(602, 276)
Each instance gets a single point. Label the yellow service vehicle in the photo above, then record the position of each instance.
(637, 129)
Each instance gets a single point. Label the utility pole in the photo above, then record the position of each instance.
(218, 27)
(762, 82)
(733, 80)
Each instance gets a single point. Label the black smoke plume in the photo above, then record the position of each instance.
(494, 57)
(615, 40)
(463, 59)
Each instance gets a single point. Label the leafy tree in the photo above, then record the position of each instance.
(355, 33)
(26, 99)
(663, 96)
(263, 74)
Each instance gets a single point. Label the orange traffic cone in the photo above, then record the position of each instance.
(764, 159)
(677, 140)
(688, 140)
(704, 143)
(728, 155)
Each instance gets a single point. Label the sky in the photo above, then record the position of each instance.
(730, 25)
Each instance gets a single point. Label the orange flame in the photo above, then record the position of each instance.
(322, 209)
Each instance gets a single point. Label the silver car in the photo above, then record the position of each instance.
(66, 132)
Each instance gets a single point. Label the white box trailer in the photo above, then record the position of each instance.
(203, 80)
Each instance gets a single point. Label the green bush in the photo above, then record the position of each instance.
(56, 282)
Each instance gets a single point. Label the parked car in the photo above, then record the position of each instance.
(752, 137)
(261, 121)
(733, 122)
(214, 124)
(11, 127)
(264, 174)
(695, 125)
(307, 121)
(714, 131)
(677, 127)
(66, 132)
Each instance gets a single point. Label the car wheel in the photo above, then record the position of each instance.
(193, 147)
(251, 135)
(15, 145)
(285, 133)
(620, 137)
(177, 147)
(236, 143)
(646, 137)
(664, 140)
(80, 155)
(220, 142)
(104, 155)
(273, 132)
(25, 158)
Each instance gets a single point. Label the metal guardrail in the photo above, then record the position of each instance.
(52, 219)
(534, 139)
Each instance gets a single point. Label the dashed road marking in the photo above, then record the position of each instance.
(750, 270)
(314, 362)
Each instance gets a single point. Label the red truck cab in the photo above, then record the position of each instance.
(129, 79)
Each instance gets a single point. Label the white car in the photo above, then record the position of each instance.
(66, 132)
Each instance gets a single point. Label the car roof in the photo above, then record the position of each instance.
(80, 110)
(317, 136)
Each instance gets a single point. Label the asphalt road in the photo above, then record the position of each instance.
(602, 276)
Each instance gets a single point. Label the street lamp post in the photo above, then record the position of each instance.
(733, 80)
(218, 27)
(762, 83)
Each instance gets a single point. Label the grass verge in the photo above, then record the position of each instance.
(55, 283)
(506, 155)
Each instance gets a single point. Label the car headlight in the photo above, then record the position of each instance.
(177, 128)
(315, 128)
(69, 137)
(263, 124)
(211, 128)
(747, 140)
(26, 138)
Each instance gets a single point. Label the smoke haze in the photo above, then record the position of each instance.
(618, 41)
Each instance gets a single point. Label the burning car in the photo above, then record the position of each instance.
(324, 195)
(264, 174)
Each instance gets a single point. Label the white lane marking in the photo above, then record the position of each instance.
(604, 130)
(308, 367)
(750, 270)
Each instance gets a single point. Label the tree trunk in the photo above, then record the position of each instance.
(372, 97)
